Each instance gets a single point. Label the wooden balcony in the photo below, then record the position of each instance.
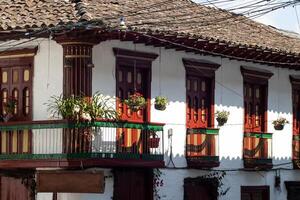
(202, 148)
(258, 151)
(63, 144)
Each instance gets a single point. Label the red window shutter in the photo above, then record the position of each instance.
(198, 98)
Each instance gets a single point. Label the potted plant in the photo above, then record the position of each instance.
(279, 123)
(99, 107)
(160, 103)
(153, 140)
(82, 108)
(9, 108)
(136, 102)
(65, 107)
(222, 117)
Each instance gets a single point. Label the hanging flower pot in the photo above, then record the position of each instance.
(278, 127)
(136, 102)
(160, 103)
(153, 142)
(9, 108)
(222, 117)
(279, 123)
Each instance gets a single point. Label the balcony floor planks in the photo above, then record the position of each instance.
(81, 163)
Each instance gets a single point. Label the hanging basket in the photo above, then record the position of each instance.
(279, 127)
(221, 121)
(161, 107)
(135, 108)
(7, 117)
(153, 142)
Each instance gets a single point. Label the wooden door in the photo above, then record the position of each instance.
(198, 98)
(255, 107)
(296, 122)
(133, 184)
(130, 80)
(255, 119)
(255, 193)
(194, 190)
(13, 189)
(16, 83)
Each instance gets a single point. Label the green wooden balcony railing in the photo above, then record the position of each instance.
(59, 139)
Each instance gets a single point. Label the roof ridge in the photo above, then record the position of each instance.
(82, 10)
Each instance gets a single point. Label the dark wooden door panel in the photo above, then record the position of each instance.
(255, 193)
(198, 92)
(13, 189)
(130, 80)
(133, 184)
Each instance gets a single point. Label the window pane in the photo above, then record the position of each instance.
(120, 76)
(16, 95)
(250, 92)
(26, 102)
(15, 76)
(195, 85)
(257, 92)
(203, 86)
(139, 78)
(129, 77)
(188, 85)
(26, 75)
(4, 77)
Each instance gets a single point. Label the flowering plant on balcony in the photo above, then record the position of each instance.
(136, 102)
(222, 117)
(99, 106)
(160, 103)
(279, 123)
(9, 108)
(82, 108)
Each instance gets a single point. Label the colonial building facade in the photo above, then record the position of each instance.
(78, 48)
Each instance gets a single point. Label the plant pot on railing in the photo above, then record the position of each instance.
(280, 123)
(221, 121)
(160, 103)
(153, 142)
(222, 117)
(9, 109)
(278, 127)
(135, 102)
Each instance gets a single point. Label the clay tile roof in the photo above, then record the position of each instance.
(20, 14)
(174, 17)
(185, 17)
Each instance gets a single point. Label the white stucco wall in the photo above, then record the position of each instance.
(168, 79)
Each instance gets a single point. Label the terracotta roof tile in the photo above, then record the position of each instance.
(181, 17)
(28, 13)
(188, 18)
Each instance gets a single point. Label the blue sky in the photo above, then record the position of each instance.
(284, 18)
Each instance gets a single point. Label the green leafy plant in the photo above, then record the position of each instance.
(100, 107)
(82, 108)
(213, 180)
(160, 103)
(136, 102)
(10, 105)
(222, 117)
(279, 123)
(157, 182)
(65, 107)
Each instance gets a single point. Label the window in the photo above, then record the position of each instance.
(16, 83)
(199, 188)
(257, 142)
(255, 193)
(293, 190)
(295, 81)
(201, 137)
(133, 74)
